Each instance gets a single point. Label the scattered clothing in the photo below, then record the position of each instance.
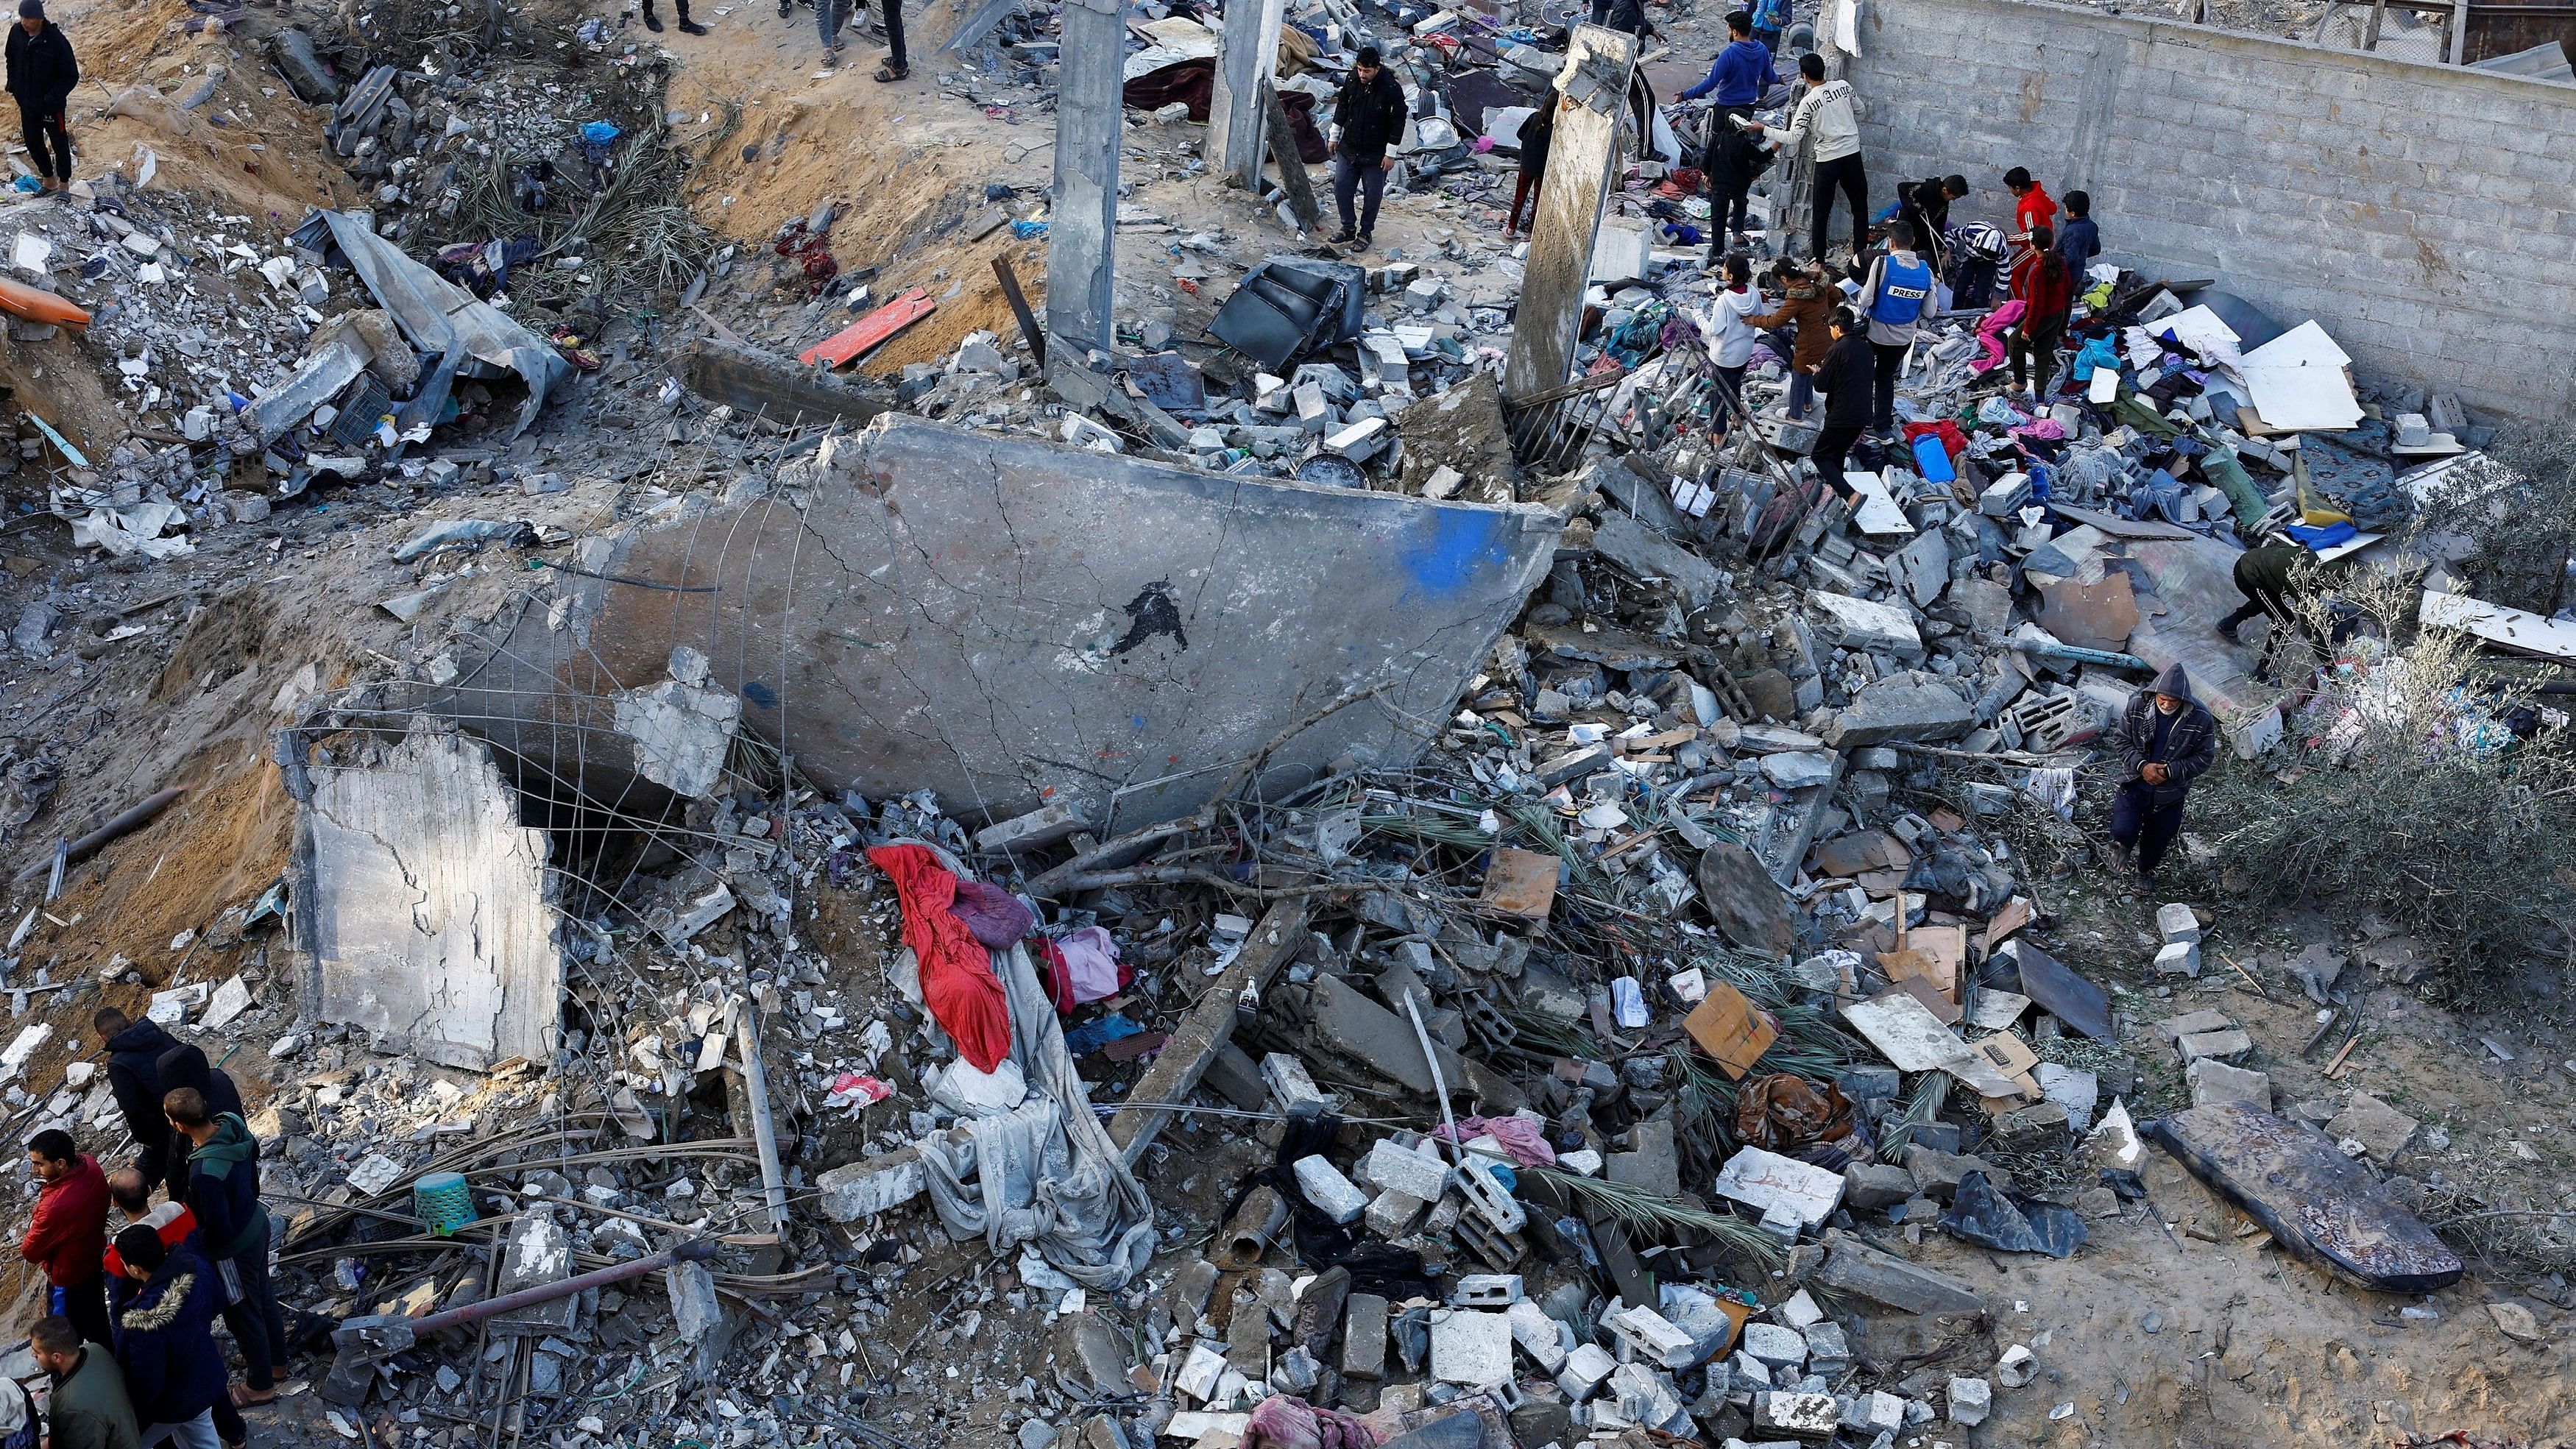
(1082, 965)
(1284, 1421)
(1522, 1138)
(957, 981)
(1991, 347)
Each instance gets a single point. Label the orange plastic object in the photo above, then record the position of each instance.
(868, 331)
(21, 300)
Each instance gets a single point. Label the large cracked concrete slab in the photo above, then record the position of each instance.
(916, 606)
(431, 915)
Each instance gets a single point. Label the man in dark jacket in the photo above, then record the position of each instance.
(1845, 378)
(2166, 741)
(67, 1234)
(165, 1340)
(134, 1051)
(1370, 115)
(88, 1408)
(42, 73)
(223, 1191)
(177, 1226)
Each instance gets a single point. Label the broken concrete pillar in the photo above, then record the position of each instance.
(1083, 224)
(432, 919)
(765, 385)
(1247, 52)
(1582, 159)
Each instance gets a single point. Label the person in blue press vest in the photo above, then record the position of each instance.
(1897, 300)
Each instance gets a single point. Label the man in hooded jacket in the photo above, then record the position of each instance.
(145, 1064)
(2167, 740)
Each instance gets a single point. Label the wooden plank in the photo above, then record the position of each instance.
(1274, 941)
(1030, 331)
(871, 331)
(1293, 179)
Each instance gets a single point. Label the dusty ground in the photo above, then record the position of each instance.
(2248, 1347)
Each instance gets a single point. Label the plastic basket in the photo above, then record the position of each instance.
(442, 1202)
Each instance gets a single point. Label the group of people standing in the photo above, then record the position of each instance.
(129, 1341)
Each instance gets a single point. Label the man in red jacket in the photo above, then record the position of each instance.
(67, 1236)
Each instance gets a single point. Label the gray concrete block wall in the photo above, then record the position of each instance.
(2422, 214)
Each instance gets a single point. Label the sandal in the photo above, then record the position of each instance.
(244, 1398)
(888, 74)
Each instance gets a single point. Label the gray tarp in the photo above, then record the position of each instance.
(1046, 1172)
(439, 317)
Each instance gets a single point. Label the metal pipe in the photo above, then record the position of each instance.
(1252, 1229)
(693, 1252)
(131, 818)
(764, 1133)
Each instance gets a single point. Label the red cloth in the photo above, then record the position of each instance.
(1953, 442)
(957, 980)
(174, 1227)
(67, 1236)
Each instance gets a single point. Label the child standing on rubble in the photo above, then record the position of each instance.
(1730, 340)
(2040, 282)
(1536, 133)
(1845, 377)
(1807, 306)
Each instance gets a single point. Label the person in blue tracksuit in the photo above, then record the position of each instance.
(1741, 72)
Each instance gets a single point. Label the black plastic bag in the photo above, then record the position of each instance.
(1981, 1213)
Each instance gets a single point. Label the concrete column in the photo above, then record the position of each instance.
(1082, 228)
(1247, 53)
(1581, 163)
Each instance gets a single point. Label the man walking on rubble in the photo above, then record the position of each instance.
(223, 1191)
(42, 73)
(1741, 72)
(1369, 114)
(2166, 741)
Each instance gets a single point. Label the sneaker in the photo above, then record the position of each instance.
(2227, 632)
(652, 22)
(691, 27)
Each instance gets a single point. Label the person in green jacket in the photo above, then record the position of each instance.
(2272, 581)
(88, 1408)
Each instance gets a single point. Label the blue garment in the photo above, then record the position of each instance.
(1771, 15)
(165, 1342)
(2079, 241)
(1901, 290)
(1739, 76)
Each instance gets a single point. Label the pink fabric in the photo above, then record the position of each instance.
(1990, 336)
(1090, 964)
(1520, 1137)
(1284, 1421)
